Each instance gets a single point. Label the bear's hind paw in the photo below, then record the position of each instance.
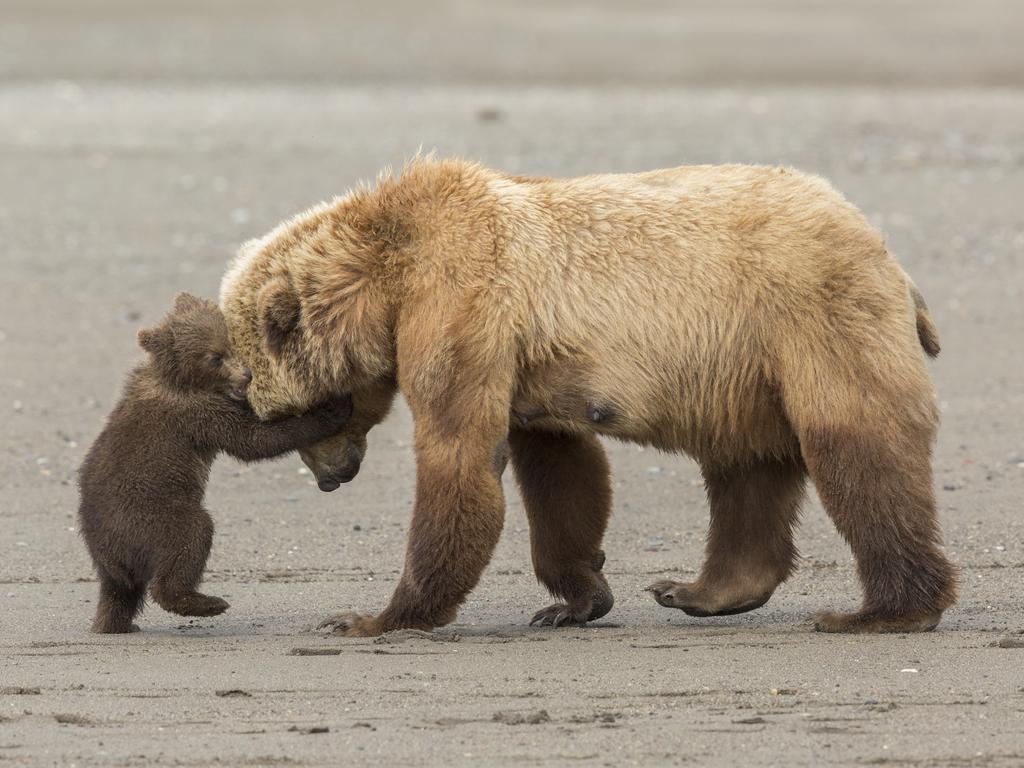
(872, 623)
(351, 624)
(693, 600)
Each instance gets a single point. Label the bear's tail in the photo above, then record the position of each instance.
(927, 333)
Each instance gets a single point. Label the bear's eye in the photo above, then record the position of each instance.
(216, 361)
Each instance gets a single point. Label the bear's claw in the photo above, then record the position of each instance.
(351, 624)
(696, 602)
(557, 615)
(563, 614)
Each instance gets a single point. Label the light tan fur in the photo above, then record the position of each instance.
(747, 316)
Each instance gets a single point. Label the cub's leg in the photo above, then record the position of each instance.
(564, 481)
(119, 603)
(750, 547)
(875, 481)
(179, 570)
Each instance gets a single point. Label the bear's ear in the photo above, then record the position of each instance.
(279, 313)
(154, 339)
(184, 302)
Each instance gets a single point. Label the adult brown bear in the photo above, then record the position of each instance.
(747, 316)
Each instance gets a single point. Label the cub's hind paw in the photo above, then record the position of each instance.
(351, 624)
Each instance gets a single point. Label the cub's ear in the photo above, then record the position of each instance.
(184, 302)
(279, 313)
(154, 339)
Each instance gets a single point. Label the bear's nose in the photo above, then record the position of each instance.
(247, 374)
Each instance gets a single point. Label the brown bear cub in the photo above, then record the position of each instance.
(143, 480)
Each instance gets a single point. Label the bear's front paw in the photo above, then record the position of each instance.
(564, 614)
(559, 615)
(351, 624)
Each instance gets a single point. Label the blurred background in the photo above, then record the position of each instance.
(142, 141)
(599, 43)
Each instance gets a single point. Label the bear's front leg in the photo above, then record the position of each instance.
(565, 483)
(456, 523)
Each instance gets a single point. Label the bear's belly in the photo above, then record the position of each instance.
(712, 424)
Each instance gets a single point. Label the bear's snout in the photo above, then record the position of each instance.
(333, 462)
(330, 478)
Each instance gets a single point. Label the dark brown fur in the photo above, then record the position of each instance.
(143, 480)
(565, 482)
(877, 488)
(750, 548)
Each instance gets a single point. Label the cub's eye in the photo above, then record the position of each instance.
(216, 361)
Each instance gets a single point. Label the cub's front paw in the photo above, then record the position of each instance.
(336, 411)
(351, 624)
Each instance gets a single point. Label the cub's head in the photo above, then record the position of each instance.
(190, 349)
(309, 311)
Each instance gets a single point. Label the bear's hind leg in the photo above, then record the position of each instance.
(876, 485)
(119, 603)
(566, 489)
(750, 548)
(180, 571)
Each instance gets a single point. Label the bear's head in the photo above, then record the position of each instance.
(189, 350)
(309, 311)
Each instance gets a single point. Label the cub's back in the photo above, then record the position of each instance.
(142, 456)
